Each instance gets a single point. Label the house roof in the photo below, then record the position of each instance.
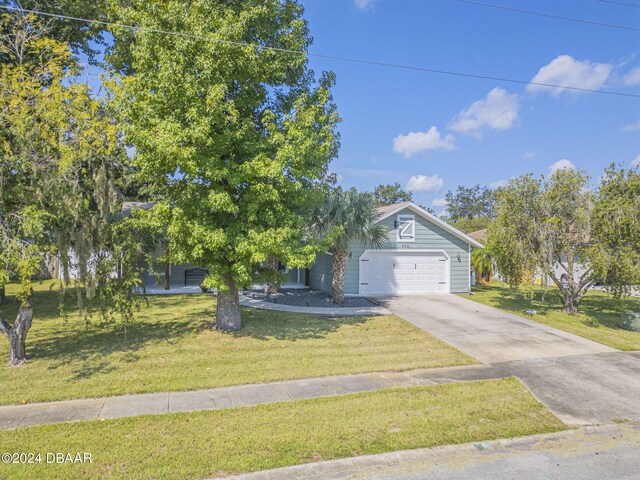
(479, 235)
(384, 209)
(388, 210)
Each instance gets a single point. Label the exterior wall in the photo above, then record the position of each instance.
(320, 273)
(291, 276)
(175, 279)
(428, 236)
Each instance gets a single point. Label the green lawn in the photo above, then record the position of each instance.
(171, 346)
(598, 319)
(203, 444)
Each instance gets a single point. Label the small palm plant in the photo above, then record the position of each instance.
(350, 216)
(482, 262)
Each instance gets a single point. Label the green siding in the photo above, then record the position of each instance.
(429, 236)
(320, 273)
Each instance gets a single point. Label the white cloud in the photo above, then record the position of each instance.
(497, 111)
(424, 183)
(633, 77)
(415, 142)
(529, 155)
(633, 127)
(364, 4)
(636, 162)
(498, 184)
(567, 71)
(562, 165)
(440, 202)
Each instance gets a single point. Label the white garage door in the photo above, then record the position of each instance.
(396, 273)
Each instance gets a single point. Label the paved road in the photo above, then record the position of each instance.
(486, 333)
(590, 453)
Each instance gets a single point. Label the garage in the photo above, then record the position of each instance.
(384, 272)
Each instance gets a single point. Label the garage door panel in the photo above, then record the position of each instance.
(397, 273)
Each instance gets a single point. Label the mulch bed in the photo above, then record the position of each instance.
(309, 298)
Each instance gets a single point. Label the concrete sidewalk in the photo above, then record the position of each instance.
(18, 416)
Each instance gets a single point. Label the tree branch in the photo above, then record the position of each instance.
(556, 281)
(5, 327)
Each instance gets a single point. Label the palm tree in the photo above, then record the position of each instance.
(346, 217)
(482, 263)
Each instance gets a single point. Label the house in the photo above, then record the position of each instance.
(559, 268)
(423, 255)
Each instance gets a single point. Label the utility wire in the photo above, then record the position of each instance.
(548, 15)
(324, 56)
(623, 4)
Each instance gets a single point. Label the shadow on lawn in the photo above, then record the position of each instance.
(167, 319)
(266, 325)
(68, 341)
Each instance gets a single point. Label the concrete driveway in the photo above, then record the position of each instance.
(486, 333)
(581, 381)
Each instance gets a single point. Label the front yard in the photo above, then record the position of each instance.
(172, 347)
(205, 444)
(598, 319)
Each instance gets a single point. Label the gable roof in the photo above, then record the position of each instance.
(389, 210)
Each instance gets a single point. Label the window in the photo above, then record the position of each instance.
(406, 230)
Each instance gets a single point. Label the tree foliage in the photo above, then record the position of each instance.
(59, 154)
(561, 229)
(78, 37)
(482, 262)
(616, 227)
(391, 194)
(347, 217)
(237, 137)
(470, 202)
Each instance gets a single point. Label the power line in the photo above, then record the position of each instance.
(623, 4)
(324, 56)
(548, 15)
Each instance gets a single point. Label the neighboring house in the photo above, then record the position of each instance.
(423, 255)
(479, 235)
(559, 269)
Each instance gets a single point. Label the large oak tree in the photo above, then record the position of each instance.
(229, 118)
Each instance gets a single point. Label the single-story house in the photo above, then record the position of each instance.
(423, 254)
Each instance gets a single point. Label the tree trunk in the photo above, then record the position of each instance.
(273, 264)
(338, 268)
(17, 334)
(3, 295)
(167, 269)
(228, 309)
(571, 301)
(167, 276)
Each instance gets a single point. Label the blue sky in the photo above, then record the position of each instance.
(431, 132)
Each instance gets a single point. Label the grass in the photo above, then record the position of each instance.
(203, 444)
(598, 318)
(171, 347)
